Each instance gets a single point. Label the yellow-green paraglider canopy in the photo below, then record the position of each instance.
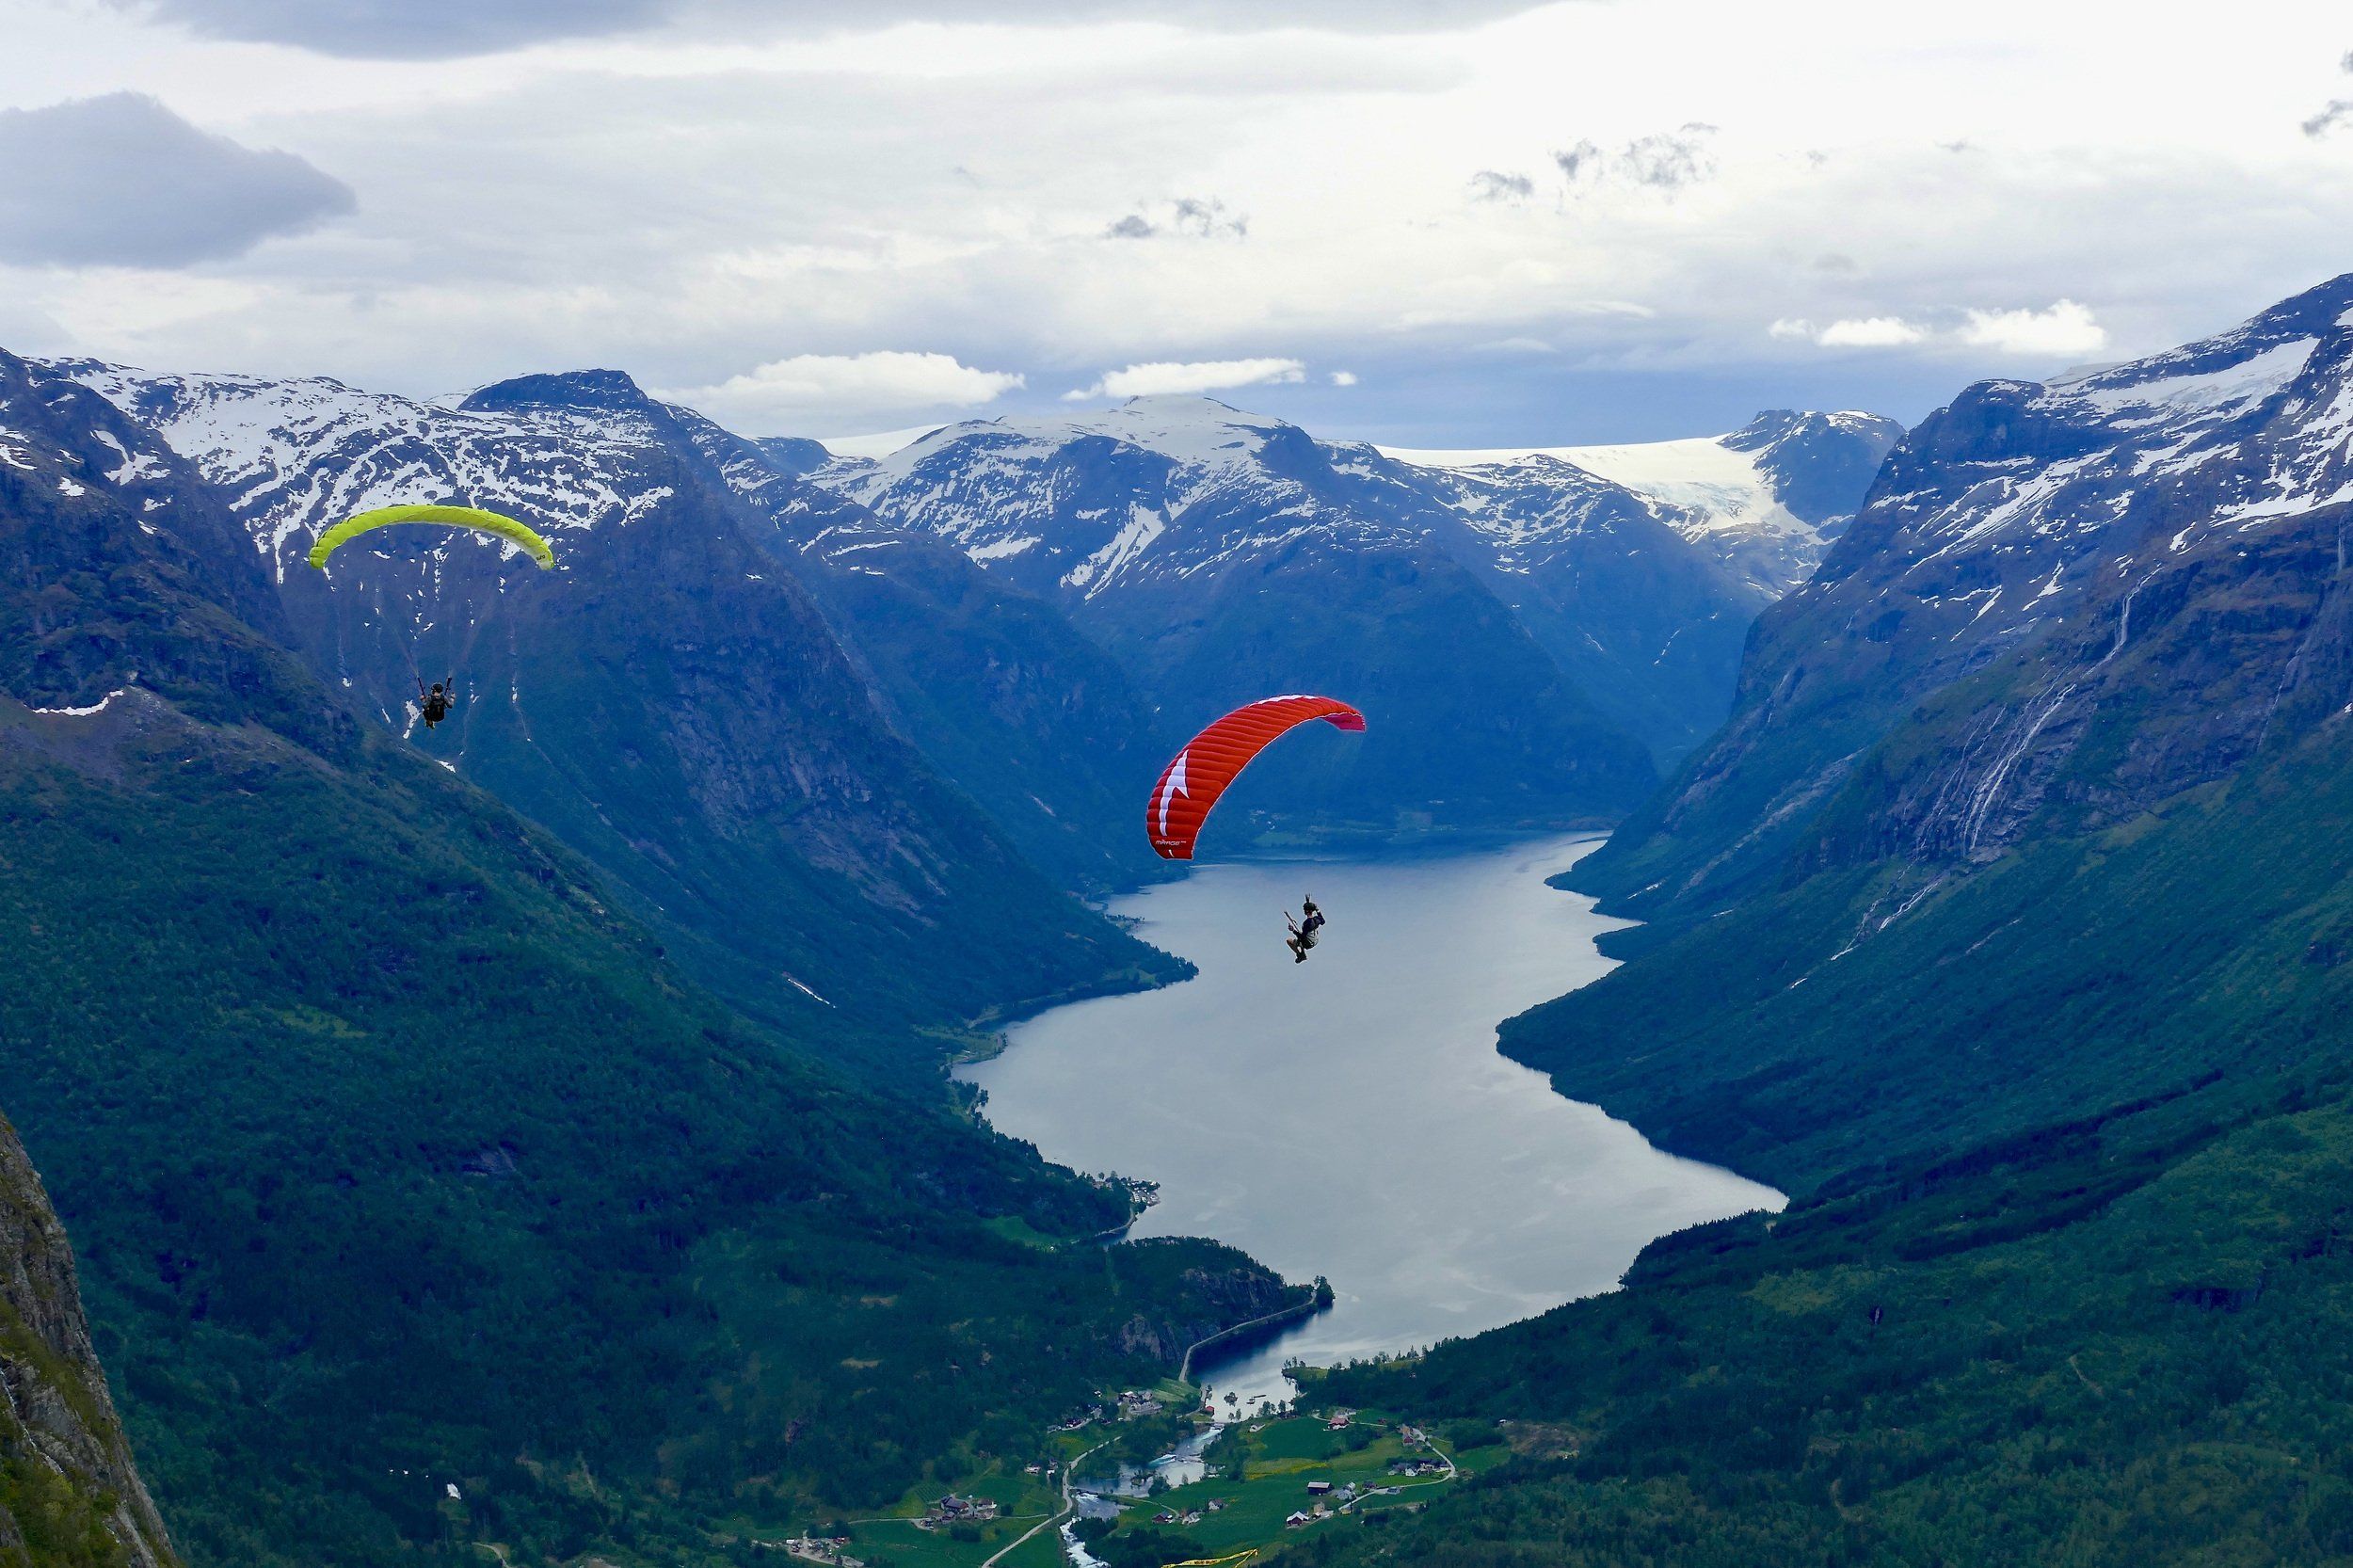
(454, 517)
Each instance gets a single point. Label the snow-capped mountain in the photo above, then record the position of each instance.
(1160, 489)
(1221, 556)
(294, 455)
(1039, 606)
(1766, 500)
(1134, 517)
(2061, 604)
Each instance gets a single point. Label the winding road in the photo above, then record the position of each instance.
(1052, 1519)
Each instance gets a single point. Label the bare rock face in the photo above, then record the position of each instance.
(70, 1495)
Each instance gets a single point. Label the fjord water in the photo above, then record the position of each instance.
(1350, 1117)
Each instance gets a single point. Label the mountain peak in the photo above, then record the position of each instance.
(1187, 428)
(1773, 426)
(2233, 368)
(608, 391)
(1199, 405)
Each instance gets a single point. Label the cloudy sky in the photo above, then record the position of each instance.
(1475, 222)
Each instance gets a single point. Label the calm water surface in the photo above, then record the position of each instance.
(1350, 1117)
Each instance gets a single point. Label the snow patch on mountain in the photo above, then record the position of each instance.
(1144, 525)
(295, 456)
(880, 444)
(1766, 499)
(2222, 391)
(1700, 485)
(2255, 424)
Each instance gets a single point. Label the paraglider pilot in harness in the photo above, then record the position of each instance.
(1303, 930)
(433, 705)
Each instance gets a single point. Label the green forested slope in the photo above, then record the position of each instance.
(2121, 1344)
(2112, 1303)
(399, 1161)
(2077, 972)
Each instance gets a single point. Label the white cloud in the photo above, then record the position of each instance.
(1201, 376)
(830, 391)
(660, 198)
(1850, 332)
(446, 29)
(1191, 216)
(1664, 161)
(2065, 328)
(2338, 113)
(1870, 332)
(1493, 184)
(1343, 377)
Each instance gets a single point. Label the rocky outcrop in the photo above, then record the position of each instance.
(70, 1495)
(1222, 1301)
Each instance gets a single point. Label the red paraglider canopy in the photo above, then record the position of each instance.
(1192, 782)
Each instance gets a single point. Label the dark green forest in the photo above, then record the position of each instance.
(386, 1148)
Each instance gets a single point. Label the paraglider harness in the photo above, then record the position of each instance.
(433, 705)
(1304, 932)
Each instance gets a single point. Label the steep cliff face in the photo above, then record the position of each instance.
(70, 1495)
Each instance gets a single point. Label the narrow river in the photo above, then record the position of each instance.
(1350, 1117)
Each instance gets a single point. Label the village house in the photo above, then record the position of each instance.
(955, 1510)
(823, 1549)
